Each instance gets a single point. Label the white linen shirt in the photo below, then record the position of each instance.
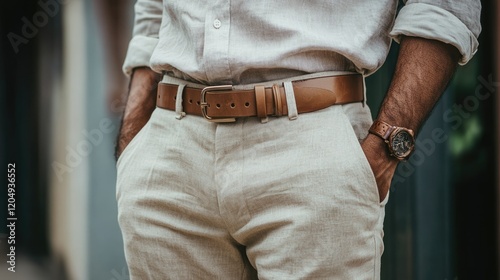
(251, 41)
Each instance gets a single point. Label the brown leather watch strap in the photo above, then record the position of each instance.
(310, 95)
(381, 129)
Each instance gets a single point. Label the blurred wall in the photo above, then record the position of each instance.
(69, 179)
(84, 230)
(106, 258)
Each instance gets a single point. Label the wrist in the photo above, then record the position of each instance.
(378, 146)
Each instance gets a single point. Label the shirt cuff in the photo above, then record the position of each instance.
(432, 22)
(139, 53)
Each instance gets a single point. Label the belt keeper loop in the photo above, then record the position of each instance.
(290, 101)
(260, 103)
(178, 102)
(278, 107)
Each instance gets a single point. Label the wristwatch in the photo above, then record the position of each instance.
(400, 140)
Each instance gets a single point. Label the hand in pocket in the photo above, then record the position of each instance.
(382, 164)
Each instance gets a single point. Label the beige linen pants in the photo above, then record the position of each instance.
(287, 199)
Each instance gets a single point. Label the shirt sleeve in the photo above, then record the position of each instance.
(452, 22)
(148, 14)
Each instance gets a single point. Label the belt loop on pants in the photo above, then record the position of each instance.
(225, 103)
(178, 102)
(290, 101)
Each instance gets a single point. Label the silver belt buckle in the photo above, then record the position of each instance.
(204, 104)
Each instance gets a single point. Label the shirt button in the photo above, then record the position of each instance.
(217, 24)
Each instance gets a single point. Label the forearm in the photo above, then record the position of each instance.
(140, 105)
(422, 73)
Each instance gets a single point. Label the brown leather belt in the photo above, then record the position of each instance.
(225, 104)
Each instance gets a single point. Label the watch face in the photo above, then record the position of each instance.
(401, 143)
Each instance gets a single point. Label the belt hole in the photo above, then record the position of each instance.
(233, 105)
(247, 104)
(190, 101)
(197, 102)
(218, 106)
(175, 97)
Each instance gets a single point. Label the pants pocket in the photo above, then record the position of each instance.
(364, 165)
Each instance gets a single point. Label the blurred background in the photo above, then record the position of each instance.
(61, 97)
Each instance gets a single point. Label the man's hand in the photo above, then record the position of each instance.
(383, 165)
(423, 70)
(140, 105)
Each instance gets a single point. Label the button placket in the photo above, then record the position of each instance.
(216, 47)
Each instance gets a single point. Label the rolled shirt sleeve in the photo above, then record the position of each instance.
(148, 15)
(452, 22)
